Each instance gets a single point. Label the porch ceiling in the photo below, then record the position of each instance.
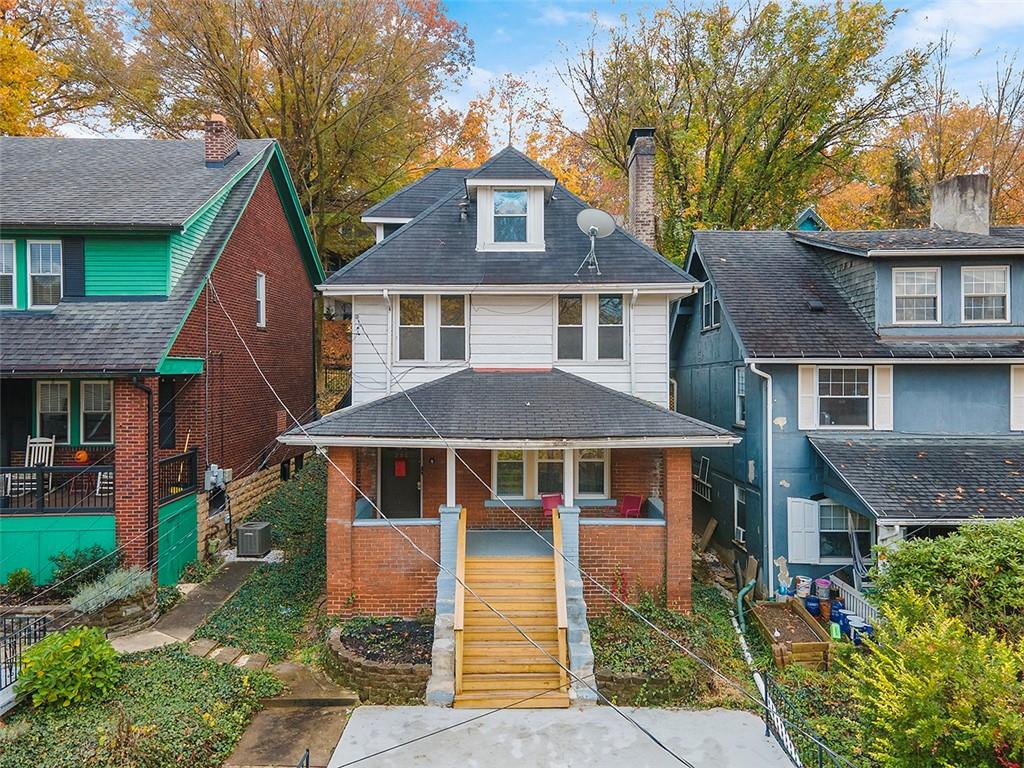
(514, 409)
(928, 479)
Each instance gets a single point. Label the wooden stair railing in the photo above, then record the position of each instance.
(560, 609)
(460, 599)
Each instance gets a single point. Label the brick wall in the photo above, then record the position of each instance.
(340, 510)
(637, 471)
(244, 417)
(679, 527)
(131, 475)
(626, 559)
(389, 577)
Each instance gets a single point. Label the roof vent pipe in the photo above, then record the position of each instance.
(961, 204)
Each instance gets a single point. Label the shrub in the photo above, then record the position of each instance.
(69, 667)
(82, 566)
(975, 572)
(124, 744)
(118, 585)
(199, 571)
(933, 693)
(20, 582)
(167, 598)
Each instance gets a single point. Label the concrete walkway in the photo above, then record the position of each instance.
(181, 622)
(596, 737)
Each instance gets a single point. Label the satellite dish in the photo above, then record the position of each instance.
(595, 223)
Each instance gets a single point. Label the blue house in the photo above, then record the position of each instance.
(877, 379)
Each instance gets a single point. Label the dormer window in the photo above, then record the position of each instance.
(510, 210)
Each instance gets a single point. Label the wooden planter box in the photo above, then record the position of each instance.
(815, 654)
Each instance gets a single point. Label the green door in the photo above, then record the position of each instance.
(176, 545)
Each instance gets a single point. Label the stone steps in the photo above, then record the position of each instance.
(209, 649)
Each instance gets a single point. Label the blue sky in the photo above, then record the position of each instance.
(530, 37)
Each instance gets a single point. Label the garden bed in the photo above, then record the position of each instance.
(385, 679)
(183, 710)
(793, 634)
(392, 640)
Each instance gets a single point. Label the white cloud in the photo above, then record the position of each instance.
(558, 16)
(974, 26)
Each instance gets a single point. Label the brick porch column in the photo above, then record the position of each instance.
(131, 500)
(678, 527)
(341, 506)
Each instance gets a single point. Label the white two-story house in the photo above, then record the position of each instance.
(499, 386)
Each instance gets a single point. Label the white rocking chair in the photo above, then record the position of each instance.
(104, 483)
(38, 451)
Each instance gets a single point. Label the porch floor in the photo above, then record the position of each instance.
(507, 544)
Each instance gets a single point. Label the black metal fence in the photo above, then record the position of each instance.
(16, 634)
(801, 743)
(178, 475)
(57, 489)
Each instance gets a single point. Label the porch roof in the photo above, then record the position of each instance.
(929, 479)
(510, 408)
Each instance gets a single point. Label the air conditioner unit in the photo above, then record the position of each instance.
(253, 539)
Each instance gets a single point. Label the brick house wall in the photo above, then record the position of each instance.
(131, 474)
(627, 559)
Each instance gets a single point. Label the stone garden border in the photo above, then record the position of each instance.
(118, 618)
(376, 682)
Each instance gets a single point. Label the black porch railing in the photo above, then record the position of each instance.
(178, 475)
(16, 634)
(57, 489)
(801, 743)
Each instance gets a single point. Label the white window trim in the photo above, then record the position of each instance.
(526, 478)
(963, 295)
(431, 331)
(81, 411)
(31, 274)
(739, 372)
(464, 326)
(708, 289)
(591, 324)
(39, 413)
(870, 399)
(739, 534)
(873, 530)
(261, 300)
(938, 295)
(14, 274)
(530, 475)
(607, 476)
(534, 217)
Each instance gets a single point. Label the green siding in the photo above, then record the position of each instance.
(184, 244)
(28, 541)
(180, 365)
(123, 266)
(21, 274)
(176, 545)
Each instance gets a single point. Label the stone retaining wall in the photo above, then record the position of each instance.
(376, 682)
(125, 616)
(623, 689)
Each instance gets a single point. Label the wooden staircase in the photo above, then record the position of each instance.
(495, 665)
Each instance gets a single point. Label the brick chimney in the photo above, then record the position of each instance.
(220, 140)
(640, 218)
(961, 203)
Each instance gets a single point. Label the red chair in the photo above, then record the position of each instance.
(630, 506)
(551, 500)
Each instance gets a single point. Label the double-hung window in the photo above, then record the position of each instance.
(261, 300)
(510, 474)
(739, 514)
(45, 273)
(986, 294)
(6, 274)
(834, 532)
(53, 410)
(741, 396)
(411, 328)
(453, 328)
(570, 327)
(916, 296)
(550, 472)
(510, 210)
(97, 412)
(592, 472)
(711, 310)
(610, 326)
(844, 397)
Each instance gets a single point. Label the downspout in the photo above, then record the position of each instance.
(150, 538)
(387, 346)
(768, 475)
(632, 355)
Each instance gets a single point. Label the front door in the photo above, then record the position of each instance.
(400, 482)
(15, 417)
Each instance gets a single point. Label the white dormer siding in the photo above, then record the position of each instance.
(485, 197)
(514, 331)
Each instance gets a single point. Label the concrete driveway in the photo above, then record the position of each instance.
(560, 738)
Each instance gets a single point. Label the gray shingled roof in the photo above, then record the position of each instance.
(510, 163)
(928, 478)
(109, 183)
(1011, 232)
(412, 200)
(764, 281)
(85, 335)
(861, 242)
(511, 405)
(438, 248)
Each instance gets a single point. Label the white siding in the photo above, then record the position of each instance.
(514, 332)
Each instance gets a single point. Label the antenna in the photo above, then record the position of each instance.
(595, 223)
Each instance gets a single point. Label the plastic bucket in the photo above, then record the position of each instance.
(823, 589)
(813, 606)
(803, 586)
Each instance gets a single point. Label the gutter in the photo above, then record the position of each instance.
(468, 443)
(769, 476)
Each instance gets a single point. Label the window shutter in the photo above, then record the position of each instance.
(803, 530)
(883, 397)
(1017, 397)
(73, 264)
(808, 407)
